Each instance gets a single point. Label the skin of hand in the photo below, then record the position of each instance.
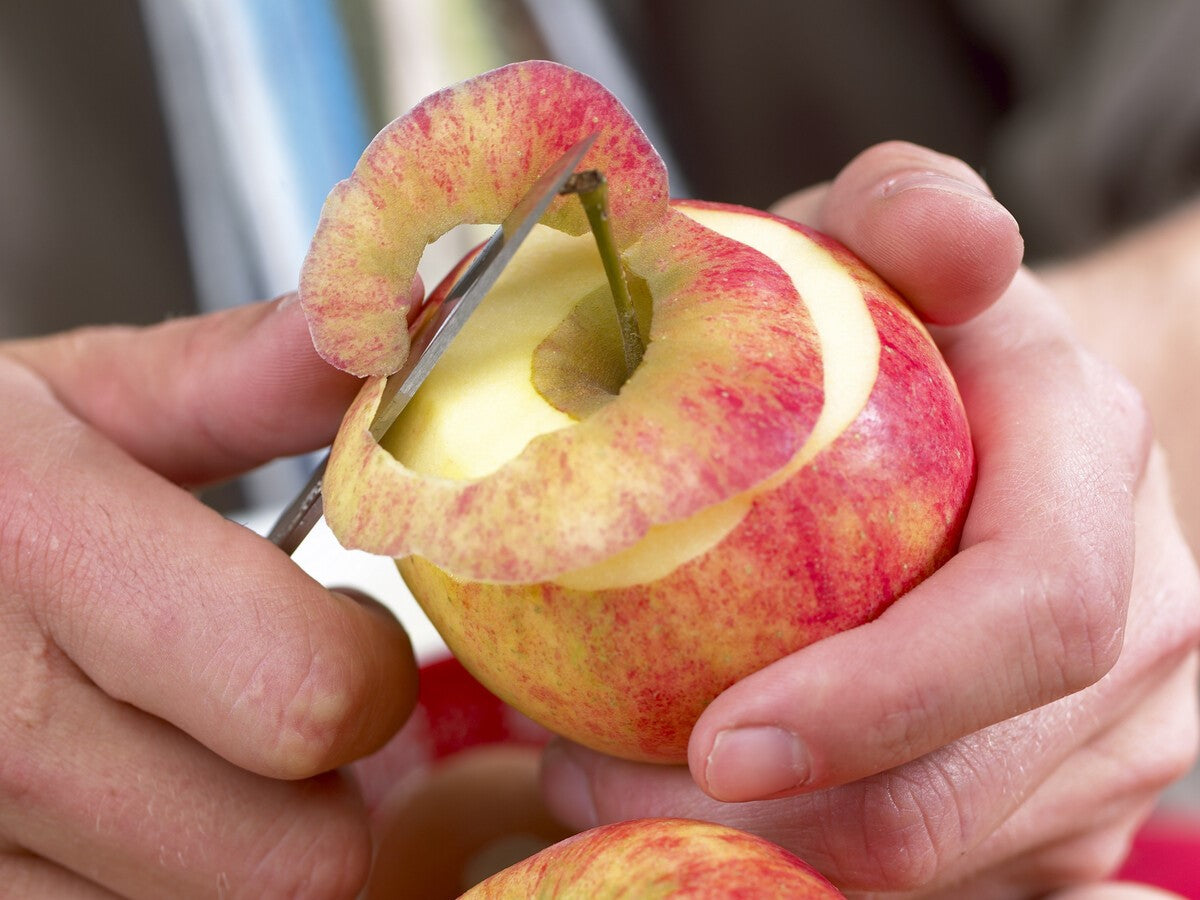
(1003, 729)
(1136, 302)
(179, 696)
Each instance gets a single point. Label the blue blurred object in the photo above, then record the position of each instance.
(311, 75)
(265, 113)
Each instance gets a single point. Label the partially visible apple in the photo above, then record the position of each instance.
(655, 859)
(608, 555)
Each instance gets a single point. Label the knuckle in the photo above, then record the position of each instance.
(1142, 777)
(910, 830)
(906, 718)
(1078, 591)
(19, 777)
(1077, 625)
(1124, 428)
(1129, 410)
(22, 544)
(318, 704)
(48, 538)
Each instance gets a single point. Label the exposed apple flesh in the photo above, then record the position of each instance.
(660, 859)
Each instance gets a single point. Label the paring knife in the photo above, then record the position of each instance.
(434, 335)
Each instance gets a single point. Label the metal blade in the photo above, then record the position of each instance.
(434, 335)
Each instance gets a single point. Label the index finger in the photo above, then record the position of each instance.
(167, 606)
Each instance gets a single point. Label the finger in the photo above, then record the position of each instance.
(1116, 777)
(937, 822)
(1144, 710)
(950, 813)
(142, 810)
(31, 878)
(802, 206)
(202, 398)
(942, 821)
(924, 221)
(1030, 609)
(170, 607)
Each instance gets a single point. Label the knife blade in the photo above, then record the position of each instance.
(434, 334)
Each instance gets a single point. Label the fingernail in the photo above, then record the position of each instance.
(936, 181)
(567, 789)
(754, 763)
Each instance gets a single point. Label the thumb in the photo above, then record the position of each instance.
(925, 222)
(202, 398)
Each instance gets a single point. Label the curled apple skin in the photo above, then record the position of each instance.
(467, 153)
(659, 858)
(624, 656)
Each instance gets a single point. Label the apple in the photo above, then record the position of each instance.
(609, 551)
(659, 858)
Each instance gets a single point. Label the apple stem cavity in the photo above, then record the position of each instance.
(592, 188)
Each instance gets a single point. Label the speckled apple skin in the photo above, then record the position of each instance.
(628, 671)
(657, 859)
(467, 153)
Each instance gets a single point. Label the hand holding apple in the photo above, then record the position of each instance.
(608, 555)
(934, 766)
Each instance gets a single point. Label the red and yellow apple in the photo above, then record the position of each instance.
(608, 553)
(659, 858)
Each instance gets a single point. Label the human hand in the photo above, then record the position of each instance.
(178, 694)
(1001, 730)
(1136, 302)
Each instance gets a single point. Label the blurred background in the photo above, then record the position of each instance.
(176, 152)
(163, 157)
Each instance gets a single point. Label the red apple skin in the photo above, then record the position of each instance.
(659, 858)
(628, 671)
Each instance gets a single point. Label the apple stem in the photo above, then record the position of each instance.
(592, 188)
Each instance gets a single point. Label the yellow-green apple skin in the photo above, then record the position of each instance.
(790, 457)
(656, 859)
